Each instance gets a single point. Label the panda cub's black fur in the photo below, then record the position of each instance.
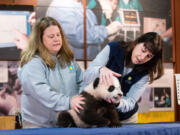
(97, 112)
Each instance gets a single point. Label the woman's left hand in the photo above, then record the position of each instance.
(76, 102)
(106, 75)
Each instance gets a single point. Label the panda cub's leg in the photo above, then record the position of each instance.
(113, 116)
(65, 120)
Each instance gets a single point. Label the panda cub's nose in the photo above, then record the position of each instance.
(120, 94)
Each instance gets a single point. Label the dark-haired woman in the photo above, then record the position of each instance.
(135, 63)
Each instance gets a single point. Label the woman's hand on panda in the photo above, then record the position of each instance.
(76, 102)
(106, 75)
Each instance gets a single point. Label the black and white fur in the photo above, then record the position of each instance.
(97, 112)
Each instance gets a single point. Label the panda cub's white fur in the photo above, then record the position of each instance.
(101, 91)
(96, 111)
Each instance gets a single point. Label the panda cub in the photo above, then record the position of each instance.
(97, 112)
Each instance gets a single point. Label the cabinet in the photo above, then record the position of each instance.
(7, 122)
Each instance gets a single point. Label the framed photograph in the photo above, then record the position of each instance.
(154, 24)
(11, 21)
(159, 95)
(10, 89)
(130, 20)
(162, 98)
(130, 17)
(156, 99)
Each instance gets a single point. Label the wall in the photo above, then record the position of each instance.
(152, 116)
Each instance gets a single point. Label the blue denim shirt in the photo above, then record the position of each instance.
(47, 90)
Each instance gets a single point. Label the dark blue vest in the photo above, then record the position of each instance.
(116, 63)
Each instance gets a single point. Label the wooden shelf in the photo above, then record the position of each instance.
(26, 2)
(6, 2)
(19, 2)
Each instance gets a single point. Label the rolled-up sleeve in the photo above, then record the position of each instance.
(127, 103)
(93, 70)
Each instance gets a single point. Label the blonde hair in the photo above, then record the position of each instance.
(36, 46)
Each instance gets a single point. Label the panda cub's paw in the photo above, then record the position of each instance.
(115, 125)
(65, 120)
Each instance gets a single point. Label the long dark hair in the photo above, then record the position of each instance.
(153, 42)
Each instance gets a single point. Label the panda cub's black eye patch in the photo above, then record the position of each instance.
(111, 88)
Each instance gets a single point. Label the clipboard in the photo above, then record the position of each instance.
(177, 76)
(130, 17)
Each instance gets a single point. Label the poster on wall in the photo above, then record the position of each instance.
(156, 16)
(10, 89)
(159, 96)
(120, 21)
(106, 21)
(162, 97)
(10, 22)
(69, 13)
(156, 99)
(135, 17)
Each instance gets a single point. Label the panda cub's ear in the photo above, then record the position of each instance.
(96, 83)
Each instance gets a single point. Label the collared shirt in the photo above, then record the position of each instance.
(47, 90)
(127, 103)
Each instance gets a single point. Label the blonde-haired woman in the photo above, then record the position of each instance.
(51, 79)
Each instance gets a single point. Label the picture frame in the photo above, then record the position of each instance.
(130, 20)
(156, 99)
(162, 98)
(130, 17)
(154, 24)
(150, 99)
(11, 21)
